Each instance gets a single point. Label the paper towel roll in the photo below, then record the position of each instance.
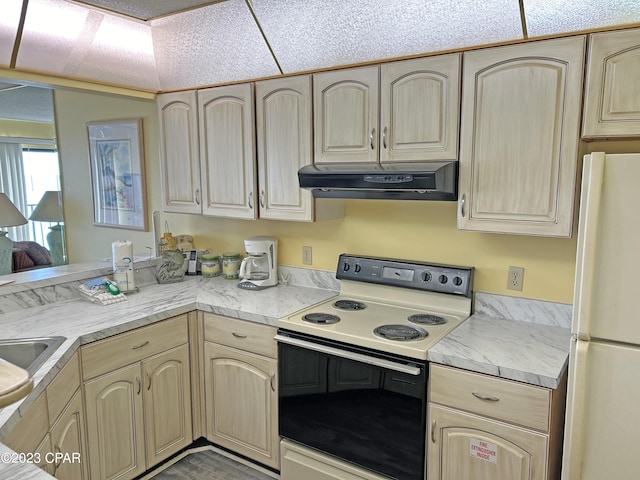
(122, 252)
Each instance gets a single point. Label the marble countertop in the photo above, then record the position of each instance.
(527, 352)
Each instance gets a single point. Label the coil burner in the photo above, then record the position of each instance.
(400, 332)
(349, 305)
(321, 318)
(427, 319)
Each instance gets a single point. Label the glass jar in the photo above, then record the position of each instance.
(210, 265)
(231, 265)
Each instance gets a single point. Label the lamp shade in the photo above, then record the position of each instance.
(49, 209)
(10, 216)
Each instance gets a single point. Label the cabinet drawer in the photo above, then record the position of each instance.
(248, 336)
(493, 397)
(62, 387)
(120, 350)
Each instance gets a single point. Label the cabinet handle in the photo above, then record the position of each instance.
(463, 200)
(273, 377)
(251, 200)
(433, 431)
(136, 347)
(384, 138)
(197, 196)
(238, 335)
(373, 133)
(148, 381)
(486, 398)
(262, 198)
(139, 385)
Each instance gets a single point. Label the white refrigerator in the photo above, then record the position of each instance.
(602, 430)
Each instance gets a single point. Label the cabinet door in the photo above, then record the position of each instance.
(167, 403)
(346, 115)
(612, 100)
(462, 445)
(68, 438)
(115, 424)
(519, 137)
(420, 105)
(241, 402)
(227, 151)
(283, 118)
(179, 152)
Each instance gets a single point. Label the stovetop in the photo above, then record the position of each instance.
(387, 293)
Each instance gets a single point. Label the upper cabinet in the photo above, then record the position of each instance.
(612, 100)
(284, 133)
(419, 109)
(417, 120)
(346, 115)
(519, 137)
(227, 151)
(179, 152)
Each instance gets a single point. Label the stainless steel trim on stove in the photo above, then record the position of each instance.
(358, 357)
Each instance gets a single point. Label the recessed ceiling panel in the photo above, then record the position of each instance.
(30, 104)
(67, 39)
(326, 33)
(9, 21)
(145, 10)
(550, 17)
(211, 45)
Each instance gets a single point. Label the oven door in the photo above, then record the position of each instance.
(364, 407)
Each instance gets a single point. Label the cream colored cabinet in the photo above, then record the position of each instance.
(31, 435)
(346, 115)
(138, 398)
(53, 427)
(489, 428)
(167, 391)
(115, 424)
(284, 132)
(227, 151)
(241, 397)
(418, 117)
(420, 105)
(520, 136)
(179, 152)
(612, 99)
(68, 439)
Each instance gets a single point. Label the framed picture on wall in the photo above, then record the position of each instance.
(116, 155)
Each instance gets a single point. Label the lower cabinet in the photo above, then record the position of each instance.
(241, 396)
(68, 441)
(487, 428)
(139, 415)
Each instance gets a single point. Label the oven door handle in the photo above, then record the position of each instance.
(358, 357)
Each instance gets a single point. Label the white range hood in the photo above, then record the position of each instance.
(182, 44)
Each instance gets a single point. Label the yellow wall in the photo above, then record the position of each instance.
(413, 230)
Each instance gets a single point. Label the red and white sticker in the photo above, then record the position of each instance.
(483, 450)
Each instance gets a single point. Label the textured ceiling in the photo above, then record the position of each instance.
(24, 103)
(164, 45)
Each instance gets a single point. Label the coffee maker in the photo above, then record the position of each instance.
(259, 269)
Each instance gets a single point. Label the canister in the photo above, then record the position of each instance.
(231, 265)
(210, 265)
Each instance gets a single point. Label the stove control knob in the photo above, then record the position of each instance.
(426, 277)
(443, 279)
(346, 267)
(357, 268)
(457, 281)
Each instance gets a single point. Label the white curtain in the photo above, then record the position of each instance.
(12, 183)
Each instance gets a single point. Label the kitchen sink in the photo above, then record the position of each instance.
(29, 353)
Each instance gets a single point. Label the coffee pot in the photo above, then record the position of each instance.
(259, 269)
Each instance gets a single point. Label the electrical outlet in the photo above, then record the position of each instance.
(306, 255)
(515, 278)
